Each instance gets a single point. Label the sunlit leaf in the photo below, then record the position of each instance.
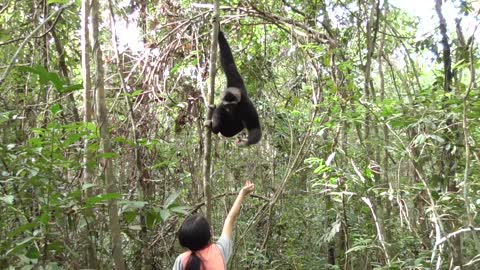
(87, 186)
(58, 2)
(8, 199)
(102, 198)
(165, 214)
(56, 108)
(132, 204)
(181, 209)
(173, 196)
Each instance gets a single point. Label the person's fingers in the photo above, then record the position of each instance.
(250, 187)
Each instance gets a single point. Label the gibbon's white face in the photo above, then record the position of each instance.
(234, 97)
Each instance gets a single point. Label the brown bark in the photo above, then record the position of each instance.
(143, 186)
(64, 69)
(101, 112)
(449, 160)
(208, 137)
(92, 260)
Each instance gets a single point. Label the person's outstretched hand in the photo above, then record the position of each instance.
(249, 186)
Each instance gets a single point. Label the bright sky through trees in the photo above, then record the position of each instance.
(369, 109)
(424, 9)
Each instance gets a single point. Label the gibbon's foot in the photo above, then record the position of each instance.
(241, 142)
(212, 106)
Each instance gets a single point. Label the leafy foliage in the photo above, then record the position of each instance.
(367, 162)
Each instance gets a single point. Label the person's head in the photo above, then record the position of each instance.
(195, 235)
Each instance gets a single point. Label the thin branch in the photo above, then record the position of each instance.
(52, 26)
(453, 234)
(25, 41)
(207, 159)
(381, 237)
(466, 133)
(4, 7)
(447, 60)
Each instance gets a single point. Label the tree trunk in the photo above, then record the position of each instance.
(449, 160)
(208, 138)
(110, 180)
(92, 261)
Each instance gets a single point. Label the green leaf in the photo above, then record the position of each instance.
(72, 88)
(129, 216)
(73, 138)
(87, 186)
(62, 2)
(56, 108)
(437, 138)
(181, 209)
(44, 218)
(7, 199)
(132, 204)
(420, 139)
(33, 253)
(171, 199)
(153, 216)
(136, 93)
(359, 248)
(45, 76)
(4, 117)
(20, 245)
(53, 266)
(164, 214)
(108, 155)
(23, 228)
(91, 126)
(135, 228)
(102, 198)
(320, 169)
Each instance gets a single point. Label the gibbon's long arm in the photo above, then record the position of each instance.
(228, 63)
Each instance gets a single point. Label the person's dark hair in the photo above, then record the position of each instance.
(195, 235)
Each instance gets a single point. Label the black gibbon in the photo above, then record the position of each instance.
(235, 111)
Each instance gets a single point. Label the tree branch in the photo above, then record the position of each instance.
(20, 48)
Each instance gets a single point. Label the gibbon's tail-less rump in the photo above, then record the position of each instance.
(235, 111)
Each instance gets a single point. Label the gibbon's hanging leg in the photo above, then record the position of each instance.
(235, 111)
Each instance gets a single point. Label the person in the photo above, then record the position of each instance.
(195, 234)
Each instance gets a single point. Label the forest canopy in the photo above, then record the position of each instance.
(369, 113)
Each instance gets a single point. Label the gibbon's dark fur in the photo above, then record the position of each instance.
(235, 111)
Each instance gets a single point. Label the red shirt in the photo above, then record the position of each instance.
(211, 257)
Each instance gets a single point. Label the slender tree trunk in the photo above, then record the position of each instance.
(373, 151)
(45, 52)
(88, 171)
(467, 52)
(208, 138)
(371, 37)
(101, 111)
(384, 160)
(143, 187)
(64, 69)
(449, 160)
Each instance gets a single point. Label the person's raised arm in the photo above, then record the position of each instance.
(235, 210)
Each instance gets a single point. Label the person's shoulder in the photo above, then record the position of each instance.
(177, 265)
(225, 245)
(224, 240)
